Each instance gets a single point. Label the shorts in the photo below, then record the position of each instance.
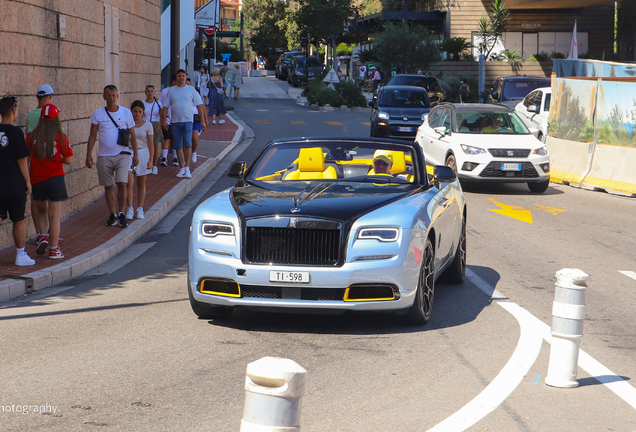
(112, 169)
(158, 137)
(167, 134)
(181, 135)
(142, 168)
(196, 126)
(14, 206)
(52, 189)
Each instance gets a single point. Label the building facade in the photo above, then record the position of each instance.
(77, 48)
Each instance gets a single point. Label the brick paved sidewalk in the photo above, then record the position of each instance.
(86, 230)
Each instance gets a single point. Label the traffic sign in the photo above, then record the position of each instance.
(209, 31)
(208, 15)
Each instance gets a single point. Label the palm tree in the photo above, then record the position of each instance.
(491, 29)
(454, 47)
(514, 57)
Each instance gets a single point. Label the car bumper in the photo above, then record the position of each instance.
(391, 130)
(532, 170)
(330, 280)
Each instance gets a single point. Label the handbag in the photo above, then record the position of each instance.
(123, 139)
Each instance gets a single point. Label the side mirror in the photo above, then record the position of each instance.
(236, 170)
(444, 174)
(533, 109)
(495, 95)
(441, 130)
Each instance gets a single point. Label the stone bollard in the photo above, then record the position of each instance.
(568, 313)
(273, 391)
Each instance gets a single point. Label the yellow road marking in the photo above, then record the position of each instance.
(261, 121)
(298, 122)
(366, 123)
(554, 211)
(514, 212)
(335, 123)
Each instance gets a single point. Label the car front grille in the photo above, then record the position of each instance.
(292, 293)
(504, 153)
(494, 170)
(316, 247)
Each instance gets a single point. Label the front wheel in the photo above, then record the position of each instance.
(538, 187)
(422, 307)
(452, 163)
(205, 310)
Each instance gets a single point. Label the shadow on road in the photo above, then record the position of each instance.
(506, 189)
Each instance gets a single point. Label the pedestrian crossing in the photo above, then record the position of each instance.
(628, 273)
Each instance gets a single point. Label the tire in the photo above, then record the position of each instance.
(207, 311)
(538, 187)
(452, 163)
(456, 272)
(420, 312)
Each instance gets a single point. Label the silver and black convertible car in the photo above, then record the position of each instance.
(334, 224)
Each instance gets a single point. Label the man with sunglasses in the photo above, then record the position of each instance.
(14, 176)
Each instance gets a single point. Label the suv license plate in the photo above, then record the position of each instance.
(511, 167)
(405, 129)
(288, 276)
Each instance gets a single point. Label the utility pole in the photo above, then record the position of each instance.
(175, 36)
(241, 39)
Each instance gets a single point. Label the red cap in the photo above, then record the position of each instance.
(49, 112)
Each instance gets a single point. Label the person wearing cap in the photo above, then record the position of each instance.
(382, 163)
(375, 78)
(50, 150)
(113, 160)
(464, 91)
(14, 177)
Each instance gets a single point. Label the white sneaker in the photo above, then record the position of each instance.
(194, 158)
(130, 214)
(188, 174)
(221, 121)
(140, 213)
(154, 170)
(175, 161)
(213, 121)
(24, 260)
(181, 173)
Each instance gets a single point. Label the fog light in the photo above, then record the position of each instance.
(545, 167)
(381, 124)
(469, 166)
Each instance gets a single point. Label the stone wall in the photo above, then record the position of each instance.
(106, 42)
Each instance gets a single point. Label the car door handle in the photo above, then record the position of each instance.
(444, 202)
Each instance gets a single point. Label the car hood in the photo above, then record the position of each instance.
(337, 201)
(526, 141)
(411, 113)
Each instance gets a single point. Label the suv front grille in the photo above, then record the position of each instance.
(494, 170)
(266, 245)
(292, 293)
(503, 153)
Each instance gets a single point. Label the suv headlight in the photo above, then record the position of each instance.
(380, 233)
(383, 116)
(541, 151)
(472, 150)
(212, 229)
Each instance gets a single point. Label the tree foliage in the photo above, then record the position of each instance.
(492, 28)
(454, 47)
(262, 18)
(409, 45)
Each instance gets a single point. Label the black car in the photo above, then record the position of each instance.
(509, 91)
(282, 64)
(435, 91)
(399, 111)
(296, 69)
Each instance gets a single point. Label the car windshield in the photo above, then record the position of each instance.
(404, 99)
(480, 122)
(338, 161)
(516, 89)
(419, 81)
(312, 62)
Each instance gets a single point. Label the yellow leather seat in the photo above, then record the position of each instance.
(311, 166)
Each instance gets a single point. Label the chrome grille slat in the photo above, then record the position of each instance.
(516, 153)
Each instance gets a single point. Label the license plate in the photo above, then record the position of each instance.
(405, 129)
(288, 276)
(511, 167)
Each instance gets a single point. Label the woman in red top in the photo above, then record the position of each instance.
(49, 149)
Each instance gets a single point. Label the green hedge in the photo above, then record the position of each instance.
(345, 93)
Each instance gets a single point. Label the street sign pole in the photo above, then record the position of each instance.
(175, 36)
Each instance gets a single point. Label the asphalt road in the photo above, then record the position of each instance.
(121, 350)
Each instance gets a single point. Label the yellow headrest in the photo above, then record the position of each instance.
(311, 160)
(399, 163)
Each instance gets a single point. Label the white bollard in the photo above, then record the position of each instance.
(568, 313)
(273, 390)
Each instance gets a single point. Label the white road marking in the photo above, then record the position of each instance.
(261, 110)
(121, 260)
(505, 382)
(630, 274)
(532, 331)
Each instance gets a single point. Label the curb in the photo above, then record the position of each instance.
(77, 266)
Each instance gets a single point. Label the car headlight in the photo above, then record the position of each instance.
(472, 150)
(382, 234)
(383, 116)
(541, 151)
(212, 229)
